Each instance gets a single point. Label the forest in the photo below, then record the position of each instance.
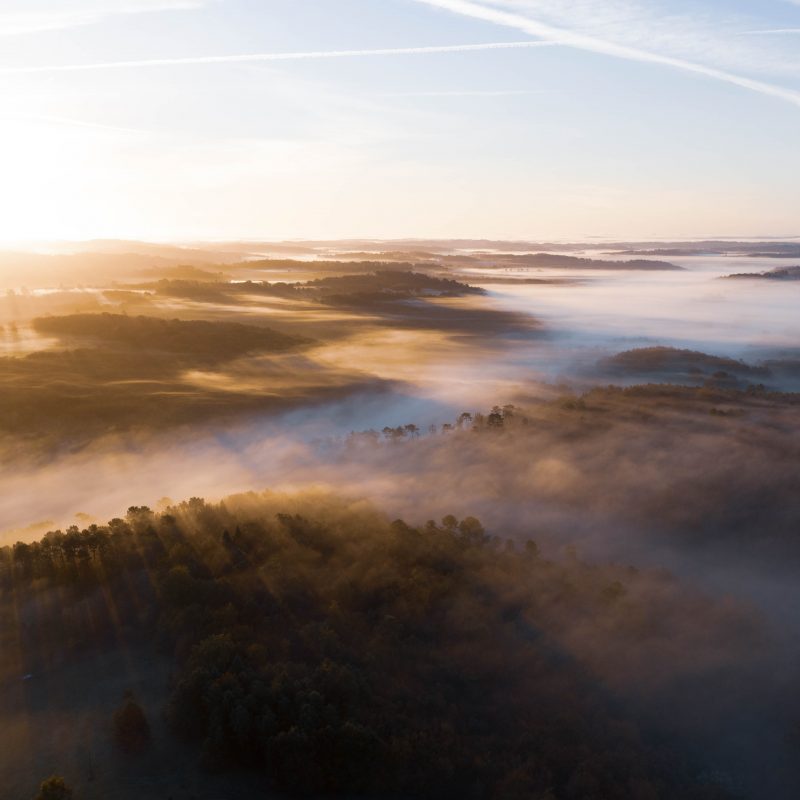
(778, 274)
(386, 283)
(116, 372)
(332, 651)
(152, 361)
(499, 558)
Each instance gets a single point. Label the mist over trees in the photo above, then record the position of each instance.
(308, 644)
(339, 653)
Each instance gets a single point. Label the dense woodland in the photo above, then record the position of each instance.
(198, 341)
(778, 274)
(339, 653)
(116, 372)
(679, 361)
(100, 373)
(384, 284)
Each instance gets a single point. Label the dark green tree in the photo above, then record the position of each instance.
(131, 729)
(54, 788)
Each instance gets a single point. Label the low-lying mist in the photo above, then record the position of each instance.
(637, 424)
(595, 647)
(657, 475)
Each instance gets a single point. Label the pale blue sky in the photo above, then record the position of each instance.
(633, 118)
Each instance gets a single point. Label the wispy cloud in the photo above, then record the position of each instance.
(468, 93)
(770, 32)
(521, 18)
(17, 19)
(258, 57)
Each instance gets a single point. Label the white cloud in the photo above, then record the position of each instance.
(770, 32)
(534, 17)
(707, 34)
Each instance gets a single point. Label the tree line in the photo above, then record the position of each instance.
(342, 654)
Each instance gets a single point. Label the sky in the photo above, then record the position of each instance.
(187, 120)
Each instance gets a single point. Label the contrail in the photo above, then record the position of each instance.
(256, 57)
(468, 93)
(770, 32)
(579, 41)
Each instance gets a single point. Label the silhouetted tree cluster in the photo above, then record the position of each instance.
(131, 728)
(54, 788)
(381, 285)
(497, 419)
